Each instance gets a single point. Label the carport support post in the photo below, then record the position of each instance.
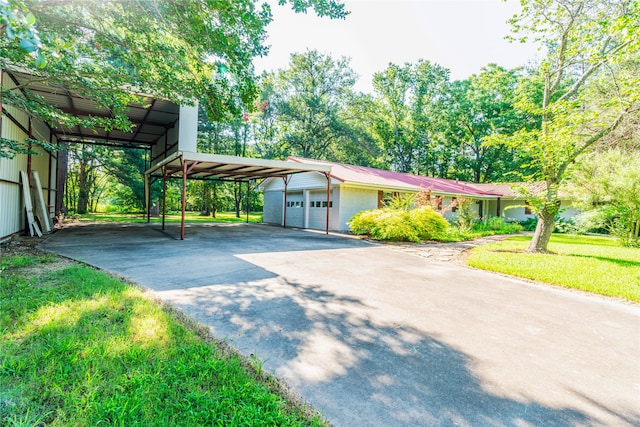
(328, 175)
(248, 200)
(146, 194)
(184, 197)
(164, 193)
(284, 215)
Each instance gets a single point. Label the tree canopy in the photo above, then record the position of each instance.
(108, 52)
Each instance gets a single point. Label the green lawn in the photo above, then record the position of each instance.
(78, 347)
(590, 263)
(173, 217)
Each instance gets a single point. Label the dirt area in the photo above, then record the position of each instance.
(19, 245)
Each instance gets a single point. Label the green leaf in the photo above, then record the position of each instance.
(31, 19)
(28, 45)
(41, 61)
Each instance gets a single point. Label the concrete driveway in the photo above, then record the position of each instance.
(373, 336)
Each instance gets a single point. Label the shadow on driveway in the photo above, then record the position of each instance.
(371, 336)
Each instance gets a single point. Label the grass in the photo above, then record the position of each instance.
(173, 217)
(81, 348)
(589, 263)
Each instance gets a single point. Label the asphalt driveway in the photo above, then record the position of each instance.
(373, 336)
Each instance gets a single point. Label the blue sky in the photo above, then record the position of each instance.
(462, 35)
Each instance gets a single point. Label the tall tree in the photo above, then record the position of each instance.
(410, 100)
(311, 94)
(587, 41)
(178, 50)
(393, 123)
(481, 106)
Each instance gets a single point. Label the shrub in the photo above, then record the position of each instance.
(429, 224)
(529, 224)
(466, 214)
(399, 224)
(395, 224)
(565, 226)
(364, 222)
(496, 223)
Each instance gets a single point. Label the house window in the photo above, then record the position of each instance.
(527, 208)
(288, 204)
(454, 204)
(302, 204)
(324, 204)
(297, 204)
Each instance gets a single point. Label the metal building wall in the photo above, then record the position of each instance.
(14, 123)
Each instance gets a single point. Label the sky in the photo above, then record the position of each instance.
(461, 35)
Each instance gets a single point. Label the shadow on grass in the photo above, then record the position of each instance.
(82, 348)
(620, 262)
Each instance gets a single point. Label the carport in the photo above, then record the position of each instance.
(216, 167)
(166, 130)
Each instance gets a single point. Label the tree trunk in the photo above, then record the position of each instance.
(237, 194)
(542, 235)
(83, 191)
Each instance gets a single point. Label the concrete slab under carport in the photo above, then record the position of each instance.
(373, 336)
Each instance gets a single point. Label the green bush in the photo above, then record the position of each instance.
(497, 225)
(565, 226)
(429, 224)
(529, 224)
(364, 222)
(399, 224)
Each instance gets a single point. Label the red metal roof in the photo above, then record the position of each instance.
(384, 178)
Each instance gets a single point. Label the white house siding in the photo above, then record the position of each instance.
(272, 207)
(303, 190)
(568, 211)
(353, 200)
(299, 181)
(513, 210)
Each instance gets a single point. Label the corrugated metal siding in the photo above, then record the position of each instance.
(11, 200)
(10, 209)
(11, 204)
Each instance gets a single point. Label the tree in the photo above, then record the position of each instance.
(311, 93)
(587, 41)
(177, 50)
(607, 188)
(410, 100)
(481, 106)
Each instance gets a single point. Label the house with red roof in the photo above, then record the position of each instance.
(302, 200)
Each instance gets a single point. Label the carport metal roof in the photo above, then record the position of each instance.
(151, 119)
(217, 167)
